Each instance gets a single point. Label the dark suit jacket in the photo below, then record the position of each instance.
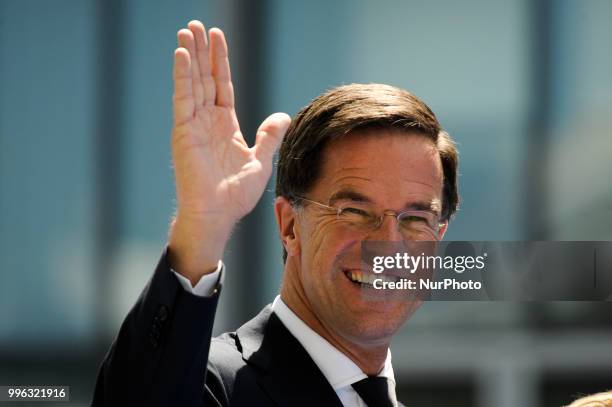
(161, 357)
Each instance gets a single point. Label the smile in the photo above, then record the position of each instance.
(367, 279)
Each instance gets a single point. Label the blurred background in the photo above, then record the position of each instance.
(86, 191)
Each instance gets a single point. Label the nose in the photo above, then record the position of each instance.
(389, 229)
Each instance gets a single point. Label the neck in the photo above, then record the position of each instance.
(370, 357)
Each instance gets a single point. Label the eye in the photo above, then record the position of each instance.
(419, 220)
(356, 216)
(352, 211)
(415, 219)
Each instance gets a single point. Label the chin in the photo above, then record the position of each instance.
(374, 326)
(367, 323)
(373, 332)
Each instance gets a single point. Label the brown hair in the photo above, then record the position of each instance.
(353, 108)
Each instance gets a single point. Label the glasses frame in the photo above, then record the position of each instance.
(386, 212)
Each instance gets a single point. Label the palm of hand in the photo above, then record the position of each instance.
(216, 171)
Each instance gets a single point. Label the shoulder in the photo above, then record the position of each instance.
(228, 374)
(225, 353)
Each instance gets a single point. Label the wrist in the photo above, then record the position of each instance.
(195, 246)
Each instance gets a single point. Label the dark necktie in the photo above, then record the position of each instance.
(375, 391)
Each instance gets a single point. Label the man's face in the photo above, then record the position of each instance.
(390, 170)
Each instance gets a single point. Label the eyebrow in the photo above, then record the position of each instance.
(348, 194)
(425, 206)
(352, 195)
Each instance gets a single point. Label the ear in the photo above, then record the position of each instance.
(288, 228)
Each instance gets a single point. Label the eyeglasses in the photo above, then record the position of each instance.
(412, 224)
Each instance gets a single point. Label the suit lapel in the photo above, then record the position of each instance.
(291, 378)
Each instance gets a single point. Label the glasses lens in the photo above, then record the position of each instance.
(419, 225)
(358, 215)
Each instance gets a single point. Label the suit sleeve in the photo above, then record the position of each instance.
(160, 355)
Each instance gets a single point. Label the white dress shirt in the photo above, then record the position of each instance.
(205, 286)
(340, 371)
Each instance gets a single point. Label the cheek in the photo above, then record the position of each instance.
(330, 244)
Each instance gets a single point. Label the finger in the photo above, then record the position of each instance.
(186, 40)
(183, 93)
(202, 50)
(221, 69)
(269, 136)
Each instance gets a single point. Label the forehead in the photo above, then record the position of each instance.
(388, 164)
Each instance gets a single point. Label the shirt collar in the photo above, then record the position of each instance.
(338, 369)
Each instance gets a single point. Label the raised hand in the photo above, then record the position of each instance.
(219, 178)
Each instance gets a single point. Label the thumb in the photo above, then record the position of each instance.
(270, 134)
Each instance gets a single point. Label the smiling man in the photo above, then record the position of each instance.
(360, 162)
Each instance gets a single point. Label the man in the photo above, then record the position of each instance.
(361, 162)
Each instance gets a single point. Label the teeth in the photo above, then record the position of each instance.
(368, 278)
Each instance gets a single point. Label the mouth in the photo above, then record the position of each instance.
(366, 279)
